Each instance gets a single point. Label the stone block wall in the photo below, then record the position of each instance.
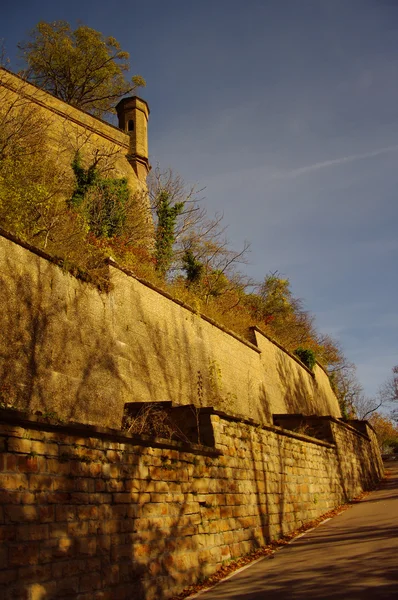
(89, 513)
(359, 461)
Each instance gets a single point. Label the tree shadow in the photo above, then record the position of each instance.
(50, 359)
(111, 516)
(347, 557)
(68, 349)
(65, 351)
(290, 578)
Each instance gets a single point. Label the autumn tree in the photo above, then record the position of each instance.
(274, 307)
(81, 66)
(389, 389)
(345, 383)
(190, 247)
(388, 392)
(32, 180)
(386, 431)
(23, 128)
(365, 406)
(212, 265)
(164, 183)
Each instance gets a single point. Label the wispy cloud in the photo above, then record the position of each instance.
(335, 162)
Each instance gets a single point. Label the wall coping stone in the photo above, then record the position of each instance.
(360, 422)
(15, 417)
(266, 427)
(347, 425)
(342, 422)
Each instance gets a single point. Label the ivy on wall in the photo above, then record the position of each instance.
(102, 201)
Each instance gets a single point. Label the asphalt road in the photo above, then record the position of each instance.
(352, 556)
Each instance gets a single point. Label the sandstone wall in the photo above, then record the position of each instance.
(289, 385)
(69, 349)
(89, 513)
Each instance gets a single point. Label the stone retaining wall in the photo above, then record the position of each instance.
(89, 514)
(66, 348)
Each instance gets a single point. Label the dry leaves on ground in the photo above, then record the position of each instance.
(267, 550)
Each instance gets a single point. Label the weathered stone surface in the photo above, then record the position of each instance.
(93, 352)
(159, 536)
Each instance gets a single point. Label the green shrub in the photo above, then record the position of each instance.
(307, 357)
(102, 201)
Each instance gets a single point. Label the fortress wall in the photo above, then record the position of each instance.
(69, 349)
(86, 512)
(171, 353)
(70, 129)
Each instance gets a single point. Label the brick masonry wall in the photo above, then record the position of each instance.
(90, 514)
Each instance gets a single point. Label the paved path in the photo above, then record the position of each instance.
(352, 556)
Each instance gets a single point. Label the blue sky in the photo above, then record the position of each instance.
(286, 111)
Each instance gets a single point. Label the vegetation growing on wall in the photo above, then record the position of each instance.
(307, 357)
(101, 201)
(84, 214)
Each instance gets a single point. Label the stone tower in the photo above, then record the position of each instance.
(133, 113)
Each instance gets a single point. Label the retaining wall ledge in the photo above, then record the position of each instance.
(38, 422)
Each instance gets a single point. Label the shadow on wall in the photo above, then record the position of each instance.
(357, 461)
(143, 518)
(92, 352)
(265, 402)
(48, 363)
(297, 508)
(295, 390)
(119, 546)
(174, 354)
(61, 352)
(132, 521)
(356, 466)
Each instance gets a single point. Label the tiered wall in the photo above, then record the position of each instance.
(89, 513)
(92, 514)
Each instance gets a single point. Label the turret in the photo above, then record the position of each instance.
(133, 113)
